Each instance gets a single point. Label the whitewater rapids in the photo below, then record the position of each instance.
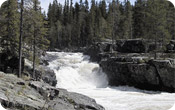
(76, 73)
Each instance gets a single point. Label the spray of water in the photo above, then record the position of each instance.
(76, 73)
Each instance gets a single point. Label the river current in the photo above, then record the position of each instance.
(76, 73)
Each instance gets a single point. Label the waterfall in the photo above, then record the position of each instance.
(76, 73)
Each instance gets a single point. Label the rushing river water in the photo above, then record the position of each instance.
(76, 73)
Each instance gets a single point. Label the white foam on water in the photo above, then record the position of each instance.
(76, 73)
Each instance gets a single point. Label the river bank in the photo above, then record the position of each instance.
(18, 94)
(132, 63)
(40, 92)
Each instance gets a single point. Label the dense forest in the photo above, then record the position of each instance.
(85, 23)
(33, 26)
(82, 24)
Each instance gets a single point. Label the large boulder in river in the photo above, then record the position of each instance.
(94, 52)
(100, 50)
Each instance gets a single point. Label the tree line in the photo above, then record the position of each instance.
(84, 23)
(81, 24)
(22, 30)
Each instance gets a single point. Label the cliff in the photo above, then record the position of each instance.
(131, 62)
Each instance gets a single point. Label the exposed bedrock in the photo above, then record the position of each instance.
(151, 75)
(17, 94)
(131, 62)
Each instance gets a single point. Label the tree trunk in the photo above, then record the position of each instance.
(20, 38)
(34, 52)
(34, 42)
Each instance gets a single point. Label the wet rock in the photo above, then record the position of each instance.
(151, 74)
(94, 52)
(166, 71)
(41, 73)
(48, 76)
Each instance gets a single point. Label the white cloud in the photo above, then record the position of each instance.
(1, 1)
(172, 1)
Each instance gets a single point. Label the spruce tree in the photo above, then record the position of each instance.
(156, 22)
(9, 28)
(139, 19)
(39, 26)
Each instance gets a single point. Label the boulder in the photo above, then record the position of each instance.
(94, 52)
(41, 73)
(170, 48)
(17, 94)
(132, 46)
(166, 71)
(48, 76)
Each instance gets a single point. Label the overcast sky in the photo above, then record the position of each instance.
(45, 3)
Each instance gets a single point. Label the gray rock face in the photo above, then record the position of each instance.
(170, 48)
(48, 76)
(17, 94)
(130, 63)
(41, 73)
(151, 75)
(166, 71)
(132, 46)
(14, 95)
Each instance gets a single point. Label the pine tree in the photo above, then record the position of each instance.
(102, 6)
(127, 25)
(139, 19)
(39, 35)
(92, 20)
(156, 22)
(9, 28)
(170, 19)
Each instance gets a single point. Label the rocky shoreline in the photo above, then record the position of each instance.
(131, 62)
(41, 93)
(18, 94)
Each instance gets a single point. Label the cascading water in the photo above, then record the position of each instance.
(76, 73)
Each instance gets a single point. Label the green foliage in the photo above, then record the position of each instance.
(75, 25)
(33, 20)
(9, 25)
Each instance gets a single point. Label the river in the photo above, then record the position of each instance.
(76, 73)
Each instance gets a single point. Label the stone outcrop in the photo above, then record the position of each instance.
(131, 62)
(170, 48)
(17, 94)
(102, 49)
(41, 73)
(132, 46)
(141, 73)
